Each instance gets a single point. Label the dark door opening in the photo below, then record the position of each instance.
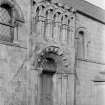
(46, 97)
(46, 80)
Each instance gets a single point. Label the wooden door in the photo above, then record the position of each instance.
(46, 89)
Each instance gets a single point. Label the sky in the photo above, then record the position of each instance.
(100, 3)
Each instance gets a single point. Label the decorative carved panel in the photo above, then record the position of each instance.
(52, 21)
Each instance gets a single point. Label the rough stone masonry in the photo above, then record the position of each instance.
(51, 53)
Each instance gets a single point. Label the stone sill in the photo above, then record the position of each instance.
(15, 44)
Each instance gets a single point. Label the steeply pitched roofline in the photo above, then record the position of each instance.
(87, 9)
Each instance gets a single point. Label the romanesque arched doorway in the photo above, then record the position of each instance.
(46, 83)
(46, 80)
(53, 84)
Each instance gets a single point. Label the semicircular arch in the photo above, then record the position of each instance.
(54, 53)
(13, 4)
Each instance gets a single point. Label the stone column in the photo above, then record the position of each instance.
(64, 29)
(49, 25)
(57, 26)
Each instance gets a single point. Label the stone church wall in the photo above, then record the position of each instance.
(14, 54)
(92, 63)
(20, 80)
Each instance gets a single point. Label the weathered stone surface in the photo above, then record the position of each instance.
(90, 66)
(49, 36)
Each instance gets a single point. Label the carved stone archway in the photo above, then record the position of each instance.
(50, 58)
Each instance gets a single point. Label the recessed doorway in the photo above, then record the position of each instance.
(46, 90)
(46, 81)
